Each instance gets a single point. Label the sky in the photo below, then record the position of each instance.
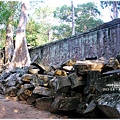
(105, 16)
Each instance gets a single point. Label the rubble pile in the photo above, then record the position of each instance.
(89, 87)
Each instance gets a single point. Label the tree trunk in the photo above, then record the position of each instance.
(9, 47)
(21, 56)
(115, 10)
(73, 20)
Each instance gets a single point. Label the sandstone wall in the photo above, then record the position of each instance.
(103, 41)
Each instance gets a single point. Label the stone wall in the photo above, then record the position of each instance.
(103, 41)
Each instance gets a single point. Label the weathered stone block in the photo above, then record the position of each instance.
(4, 76)
(90, 107)
(42, 68)
(44, 103)
(92, 76)
(41, 80)
(110, 104)
(46, 68)
(32, 99)
(81, 108)
(43, 91)
(68, 68)
(45, 78)
(33, 70)
(76, 80)
(90, 111)
(26, 89)
(2, 89)
(117, 71)
(69, 62)
(28, 86)
(11, 91)
(113, 63)
(28, 92)
(108, 84)
(27, 77)
(60, 73)
(60, 83)
(11, 83)
(65, 103)
(21, 95)
(12, 80)
(87, 65)
(21, 71)
(19, 81)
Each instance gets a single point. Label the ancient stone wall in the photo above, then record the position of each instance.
(103, 41)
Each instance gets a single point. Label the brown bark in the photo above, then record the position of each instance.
(73, 20)
(115, 10)
(21, 56)
(9, 47)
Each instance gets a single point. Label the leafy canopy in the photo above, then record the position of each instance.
(86, 17)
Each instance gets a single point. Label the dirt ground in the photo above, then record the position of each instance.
(10, 109)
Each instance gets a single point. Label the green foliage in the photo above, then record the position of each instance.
(105, 4)
(113, 6)
(7, 9)
(39, 29)
(63, 13)
(86, 17)
(43, 12)
(61, 31)
(2, 37)
(47, 24)
(5, 13)
(88, 8)
(32, 31)
(9, 15)
(42, 26)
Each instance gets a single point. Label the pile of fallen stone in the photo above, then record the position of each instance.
(87, 87)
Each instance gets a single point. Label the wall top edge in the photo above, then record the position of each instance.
(103, 26)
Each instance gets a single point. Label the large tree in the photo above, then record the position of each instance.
(64, 27)
(9, 44)
(8, 17)
(32, 32)
(45, 20)
(86, 17)
(73, 18)
(21, 56)
(113, 7)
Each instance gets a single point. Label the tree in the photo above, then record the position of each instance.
(21, 56)
(73, 20)
(4, 15)
(9, 45)
(113, 6)
(7, 20)
(61, 31)
(44, 16)
(63, 13)
(86, 17)
(32, 32)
